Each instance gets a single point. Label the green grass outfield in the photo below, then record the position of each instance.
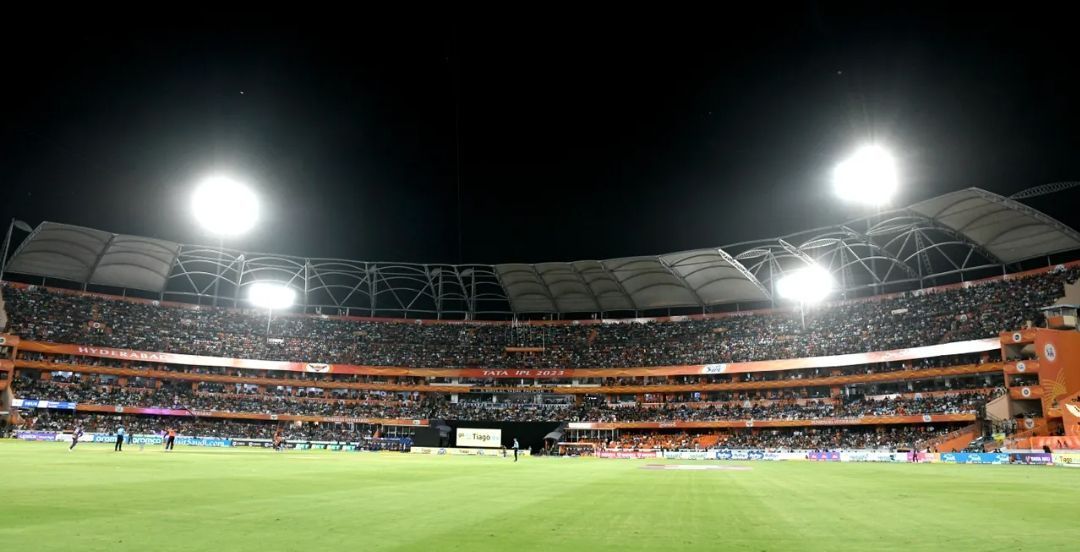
(243, 499)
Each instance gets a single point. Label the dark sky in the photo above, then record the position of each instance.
(584, 136)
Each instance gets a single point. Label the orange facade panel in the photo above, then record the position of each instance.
(1015, 367)
(1026, 393)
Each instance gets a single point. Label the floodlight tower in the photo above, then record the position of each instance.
(224, 207)
(809, 285)
(271, 296)
(868, 177)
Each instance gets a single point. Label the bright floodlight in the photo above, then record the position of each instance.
(806, 285)
(271, 296)
(868, 176)
(224, 206)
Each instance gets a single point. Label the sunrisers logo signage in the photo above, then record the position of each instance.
(714, 368)
(1049, 352)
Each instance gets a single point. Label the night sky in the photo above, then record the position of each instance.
(584, 136)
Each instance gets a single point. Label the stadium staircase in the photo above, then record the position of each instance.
(997, 409)
(1020, 440)
(706, 441)
(953, 441)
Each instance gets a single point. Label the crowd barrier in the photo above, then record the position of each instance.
(973, 458)
(1068, 459)
(137, 439)
(467, 451)
(1063, 459)
(626, 454)
(36, 435)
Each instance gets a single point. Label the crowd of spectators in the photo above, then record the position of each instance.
(181, 395)
(813, 438)
(967, 403)
(835, 438)
(201, 427)
(900, 321)
(782, 439)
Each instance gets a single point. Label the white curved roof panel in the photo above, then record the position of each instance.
(1010, 230)
(90, 256)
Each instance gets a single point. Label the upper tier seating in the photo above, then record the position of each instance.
(910, 320)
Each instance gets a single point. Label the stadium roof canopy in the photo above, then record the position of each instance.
(964, 234)
(89, 256)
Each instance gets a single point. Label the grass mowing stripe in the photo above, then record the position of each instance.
(257, 500)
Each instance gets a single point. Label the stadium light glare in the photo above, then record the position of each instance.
(271, 296)
(868, 176)
(808, 286)
(224, 206)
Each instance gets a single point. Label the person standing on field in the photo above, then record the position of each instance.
(119, 447)
(75, 437)
(515, 449)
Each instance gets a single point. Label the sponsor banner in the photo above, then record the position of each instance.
(871, 456)
(151, 439)
(626, 454)
(34, 403)
(1031, 458)
(480, 373)
(974, 458)
(854, 359)
(915, 456)
(955, 348)
(754, 454)
(203, 441)
(36, 435)
(865, 420)
(261, 443)
(9, 340)
(164, 358)
(316, 445)
(826, 456)
(465, 451)
(1068, 459)
(786, 456)
(686, 455)
(743, 454)
(473, 437)
(531, 389)
(147, 439)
